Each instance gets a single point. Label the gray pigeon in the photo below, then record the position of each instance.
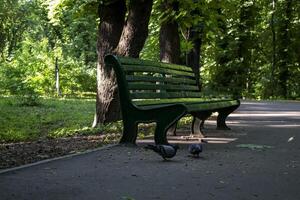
(195, 149)
(164, 150)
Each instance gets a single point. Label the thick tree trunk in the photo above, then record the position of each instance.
(112, 16)
(169, 40)
(194, 35)
(122, 38)
(193, 56)
(135, 31)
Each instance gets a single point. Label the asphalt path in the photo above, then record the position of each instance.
(258, 159)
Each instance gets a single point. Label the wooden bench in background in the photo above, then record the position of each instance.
(163, 93)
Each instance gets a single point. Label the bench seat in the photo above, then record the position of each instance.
(191, 104)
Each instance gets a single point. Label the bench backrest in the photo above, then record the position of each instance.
(143, 79)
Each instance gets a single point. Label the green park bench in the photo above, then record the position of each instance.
(163, 93)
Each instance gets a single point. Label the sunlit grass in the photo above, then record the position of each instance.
(52, 118)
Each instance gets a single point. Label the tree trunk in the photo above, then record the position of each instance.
(284, 41)
(57, 85)
(169, 40)
(244, 52)
(194, 35)
(193, 56)
(112, 17)
(122, 38)
(273, 48)
(223, 74)
(135, 31)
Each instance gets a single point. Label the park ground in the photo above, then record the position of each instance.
(258, 159)
(51, 128)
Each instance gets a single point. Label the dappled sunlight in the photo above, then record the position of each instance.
(259, 115)
(269, 124)
(190, 140)
(254, 146)
(284, 126)
(264, 123)
(218, 140)
(266, 114)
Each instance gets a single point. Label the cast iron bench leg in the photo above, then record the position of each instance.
(129, 131)
(197, 127)
(172, 129)
(165, 118)
(223, 114)
(198, 122)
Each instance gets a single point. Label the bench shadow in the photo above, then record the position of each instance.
(183, 136)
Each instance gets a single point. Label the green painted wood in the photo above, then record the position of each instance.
(200, 106)
(211, 106)
(164, 95)
(134, 61)
(138, 68)
(140, 102)
(149, 78)
(152, 86)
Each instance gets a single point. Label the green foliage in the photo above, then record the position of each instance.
(32, 72)
(151, 47)
(28, 54)
(76, 23)
(236, 54)
(237, 49)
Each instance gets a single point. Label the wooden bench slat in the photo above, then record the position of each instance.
(151, 86)
(133, 61)
(201, 106)
(163, 95)
(211, 106)
(146, 102)
(138, 68)
(160, 79)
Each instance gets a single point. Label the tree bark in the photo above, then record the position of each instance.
(193, 56)
(135, 31)
(284, 41)
(194, 35)
(169, 41)
(112, 17)
(120, 37)
(57, 83)
(244, 52)
(222, 75)
(273, 48)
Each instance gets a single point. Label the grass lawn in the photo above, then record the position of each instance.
(32, 133)
(52, 118)
(55, 118)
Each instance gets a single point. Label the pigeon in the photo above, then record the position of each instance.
(164, 150)
(195, 149)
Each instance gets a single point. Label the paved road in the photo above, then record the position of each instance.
(263, 162)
